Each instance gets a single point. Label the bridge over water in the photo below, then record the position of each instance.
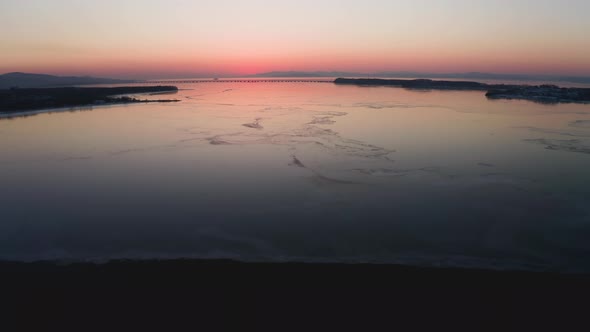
(241, 81)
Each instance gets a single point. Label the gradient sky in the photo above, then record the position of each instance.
(160, 38)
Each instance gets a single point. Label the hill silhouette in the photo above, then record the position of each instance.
(26, 80)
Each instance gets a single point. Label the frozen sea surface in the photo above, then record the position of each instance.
(302, 172)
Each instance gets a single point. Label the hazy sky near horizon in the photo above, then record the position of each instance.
(159, 38)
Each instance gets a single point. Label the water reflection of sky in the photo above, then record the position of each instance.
(302, 172)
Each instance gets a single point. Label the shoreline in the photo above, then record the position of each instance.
(544, 94)
(34, 101)
(79, 108)
(17, 102)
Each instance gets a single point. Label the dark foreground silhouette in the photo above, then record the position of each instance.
(18, 100)
(221, 295)
(542, 94)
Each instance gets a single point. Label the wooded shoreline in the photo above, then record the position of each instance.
(17, 100)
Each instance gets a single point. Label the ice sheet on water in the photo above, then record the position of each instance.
(254, 125)
(560, 132)
(580, 124)
(569, 145)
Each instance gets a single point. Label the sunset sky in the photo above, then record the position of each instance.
(173, 38)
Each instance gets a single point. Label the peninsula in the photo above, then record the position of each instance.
(18, 100)
(30, 80)
(541, 93)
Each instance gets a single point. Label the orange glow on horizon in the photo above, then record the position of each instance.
(432, 61)
(231, 37)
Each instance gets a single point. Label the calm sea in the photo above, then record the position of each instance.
(302, 172)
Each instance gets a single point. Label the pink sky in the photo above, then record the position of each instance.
(224, 37)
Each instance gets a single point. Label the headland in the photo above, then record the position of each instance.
(548, 94)
(17, 100)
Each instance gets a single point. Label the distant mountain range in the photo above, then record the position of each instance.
(24, 80)
(407, 74)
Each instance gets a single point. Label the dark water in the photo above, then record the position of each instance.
(305, 172)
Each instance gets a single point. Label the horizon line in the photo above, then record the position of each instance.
(319, 73)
